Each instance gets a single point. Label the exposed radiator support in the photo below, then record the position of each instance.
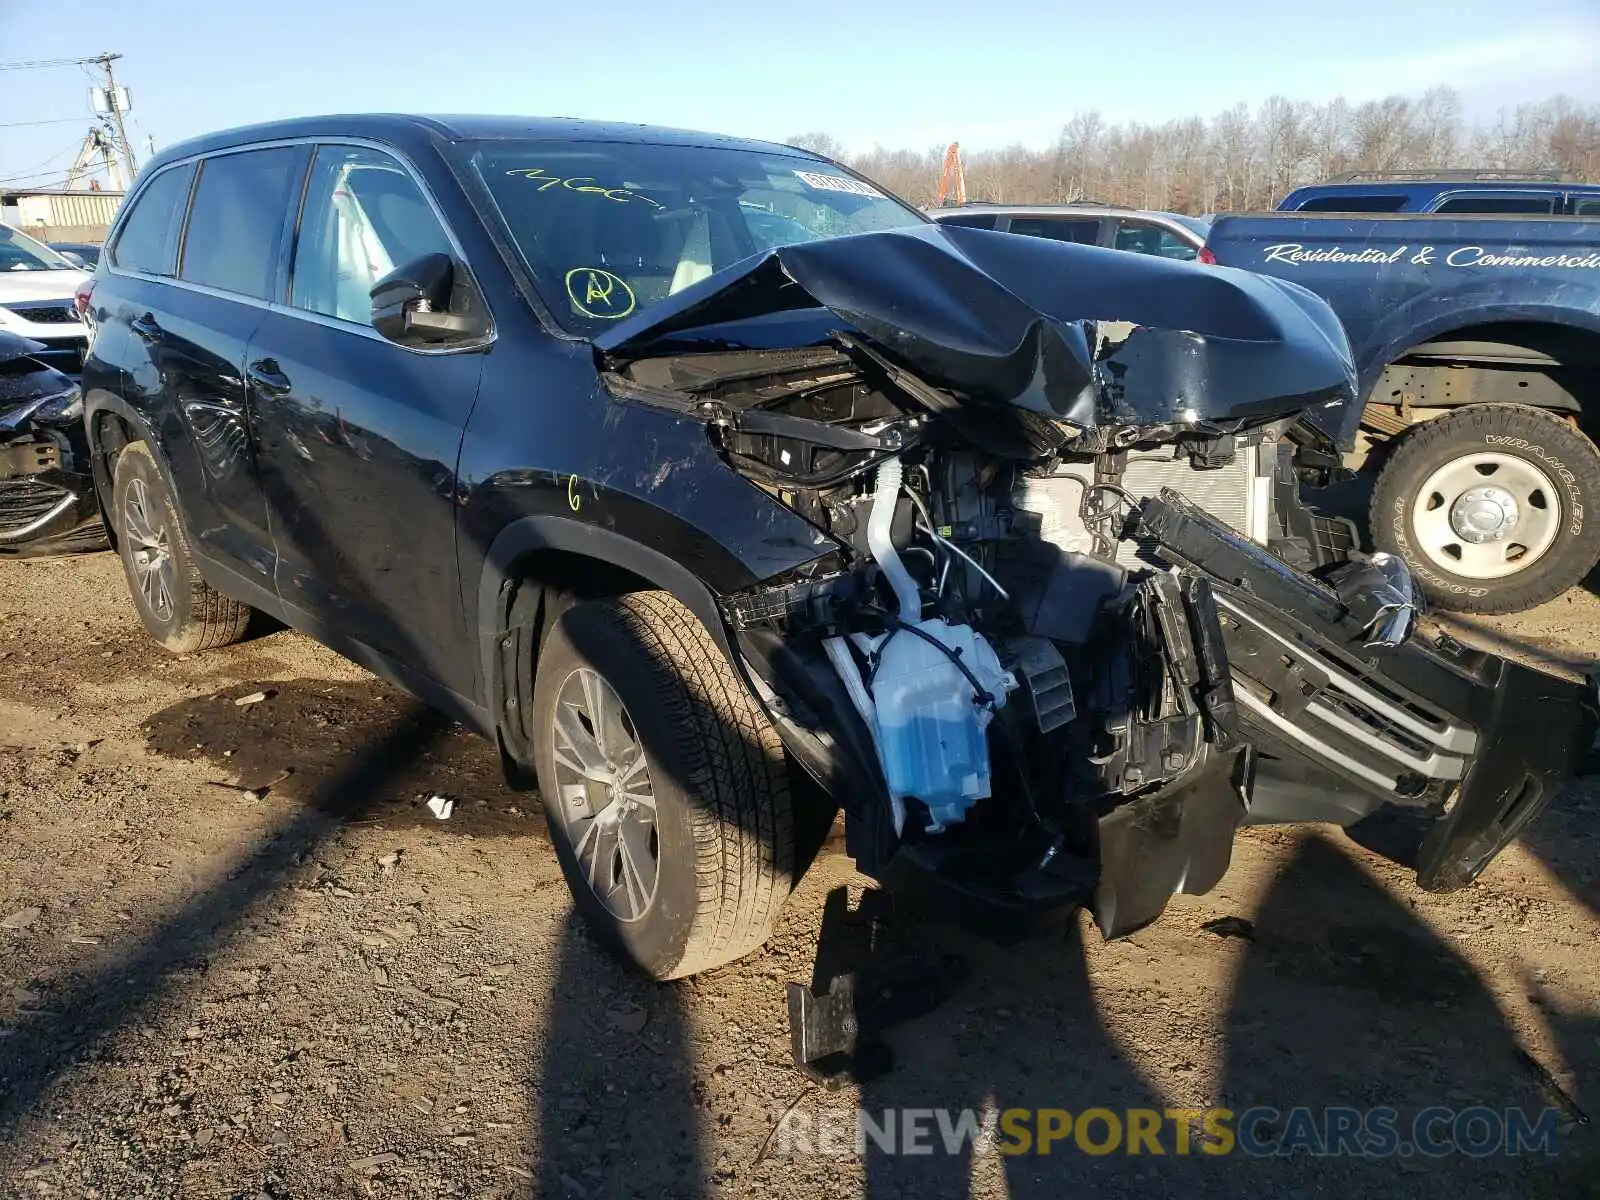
(1238, 494)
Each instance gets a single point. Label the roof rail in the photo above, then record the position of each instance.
(1486, 175)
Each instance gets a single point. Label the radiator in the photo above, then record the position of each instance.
(1238, 494)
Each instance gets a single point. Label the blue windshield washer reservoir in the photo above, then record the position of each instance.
(931, 731)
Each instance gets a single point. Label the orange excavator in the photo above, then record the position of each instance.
(953, 182)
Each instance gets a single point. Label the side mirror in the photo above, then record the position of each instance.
(411, 305)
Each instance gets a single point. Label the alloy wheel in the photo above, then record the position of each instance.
(149, 548)
(604, 796)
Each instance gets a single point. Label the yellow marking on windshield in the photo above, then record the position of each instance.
(583, 184)
(600, 294)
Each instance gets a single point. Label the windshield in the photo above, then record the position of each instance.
(19, 252)
(607, 229)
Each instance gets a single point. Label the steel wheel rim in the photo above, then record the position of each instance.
(604, 796)
(149, 550)
(1486, 515)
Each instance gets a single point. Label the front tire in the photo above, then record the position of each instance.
(1491, 507)
(175, 604)
(664, 786)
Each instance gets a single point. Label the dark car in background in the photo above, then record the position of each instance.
(84, 254)
(721, 489)
(1168, 235)
(47, 497)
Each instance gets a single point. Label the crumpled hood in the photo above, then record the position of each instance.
(14, 346)
(1004, 319)
(26, 385)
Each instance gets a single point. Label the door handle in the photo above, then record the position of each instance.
(146, 327)
(265, 374)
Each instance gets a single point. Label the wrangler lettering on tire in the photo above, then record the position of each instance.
(1488, 507)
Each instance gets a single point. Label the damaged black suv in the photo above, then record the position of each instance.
(722, 490)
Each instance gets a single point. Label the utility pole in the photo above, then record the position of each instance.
(112, 101)
(96, 144)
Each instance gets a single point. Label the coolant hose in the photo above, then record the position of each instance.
(880, 540)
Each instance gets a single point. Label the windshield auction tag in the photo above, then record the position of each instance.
(600, 294)
(836, 183)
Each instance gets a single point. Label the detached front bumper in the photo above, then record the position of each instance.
(1341, 724)
(47, 498)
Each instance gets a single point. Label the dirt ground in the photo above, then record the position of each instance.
(222, 980)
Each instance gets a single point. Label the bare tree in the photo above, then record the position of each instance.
(1234, 150)
(1080, 152)
(1439, 126)
(1243, 158)
(824, 144)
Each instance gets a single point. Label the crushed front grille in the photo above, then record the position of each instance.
(24, 501)
(47, 314)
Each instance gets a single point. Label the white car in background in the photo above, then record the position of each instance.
(36, 299)
(1142, 231)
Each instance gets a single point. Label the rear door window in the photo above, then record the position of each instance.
(1060, 229)
(364, 216)
(148, 241)
(1489, 203)
(1152, 239)
(237, 219)
(1587, 208)
(1354, 204)
(971, 221)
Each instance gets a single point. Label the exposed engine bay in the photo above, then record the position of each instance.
(1079, 626)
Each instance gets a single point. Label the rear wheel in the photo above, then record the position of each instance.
(1490, 506)
(175, 604)
(664, 786)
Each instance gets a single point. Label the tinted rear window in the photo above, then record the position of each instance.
(1152, 239)
(1085, 233)
(149, 238)
(1498, 204)
(236, 221)
(1588, 208)
(979, 221)
(1354, 204)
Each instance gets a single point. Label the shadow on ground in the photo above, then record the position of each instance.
(303, 732)
(618, 1107)
(1344, 998)
(105, 1001)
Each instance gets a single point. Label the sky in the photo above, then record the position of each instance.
(912, 73)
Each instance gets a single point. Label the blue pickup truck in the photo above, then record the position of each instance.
(1477, 340)
(1452, 193)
